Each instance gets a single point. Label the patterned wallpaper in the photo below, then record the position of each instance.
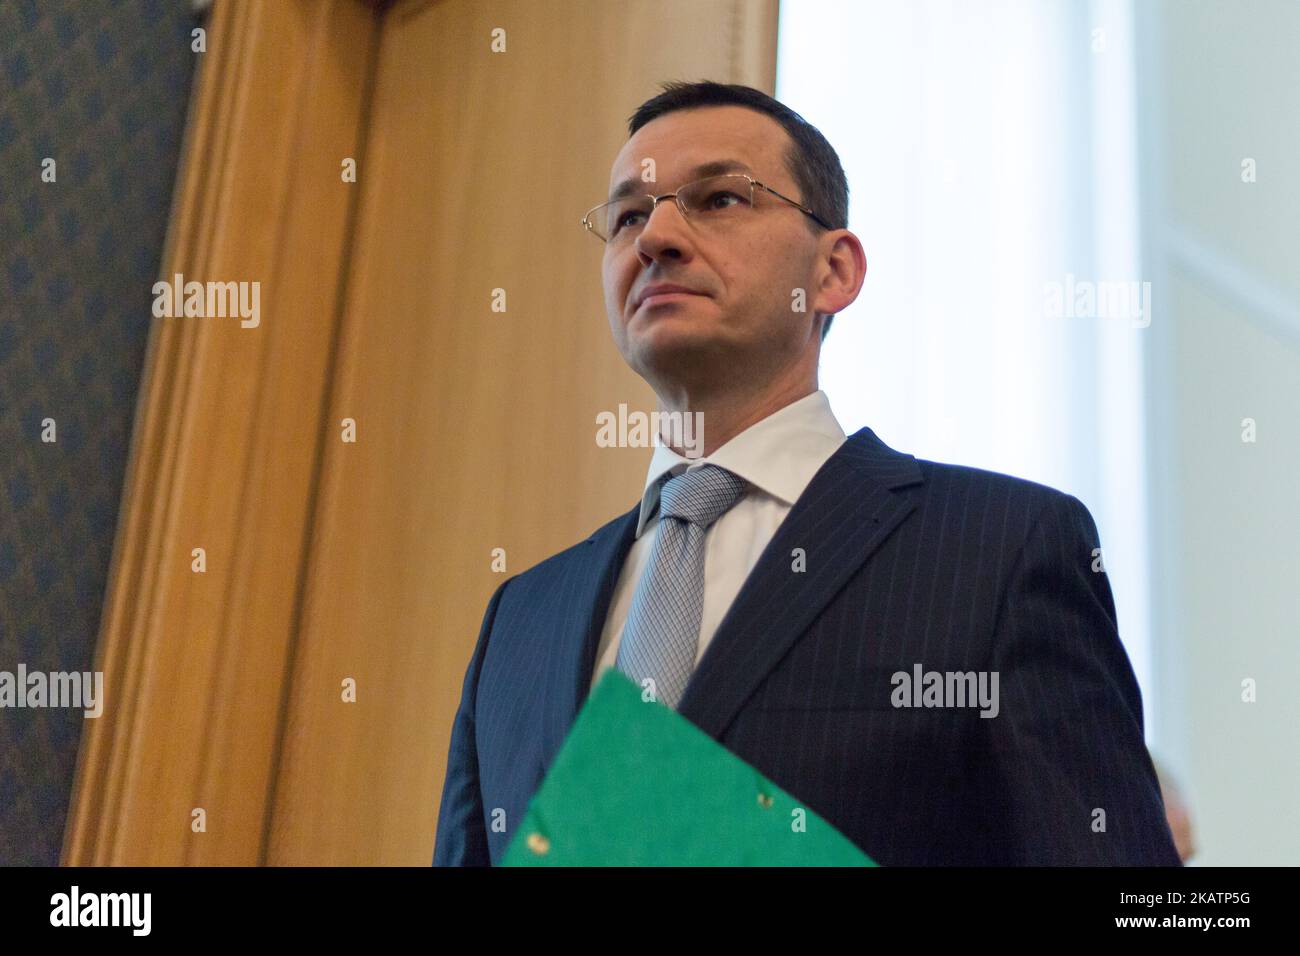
(101, 87)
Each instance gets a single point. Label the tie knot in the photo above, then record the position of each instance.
(701, 495)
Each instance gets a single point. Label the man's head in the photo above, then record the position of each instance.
(769, 281)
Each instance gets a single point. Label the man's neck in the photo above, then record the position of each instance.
(725, 415)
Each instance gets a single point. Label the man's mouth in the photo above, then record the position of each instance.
(661, 293)
(664, 298)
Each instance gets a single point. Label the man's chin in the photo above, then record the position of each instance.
(669, 346)
(671, 332)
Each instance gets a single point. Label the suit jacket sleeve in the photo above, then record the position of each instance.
(461, 838)
(1067, 745)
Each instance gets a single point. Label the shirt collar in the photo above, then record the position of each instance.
(779, 454)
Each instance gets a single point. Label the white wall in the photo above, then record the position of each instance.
(1220, 82)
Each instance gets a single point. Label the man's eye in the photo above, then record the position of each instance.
(622, 220)
(719, 199)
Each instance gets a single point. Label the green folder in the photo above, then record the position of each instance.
(636, 784)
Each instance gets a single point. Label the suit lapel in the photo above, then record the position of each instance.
(843, 516)
(591, 583)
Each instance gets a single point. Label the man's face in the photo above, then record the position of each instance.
(742, 322)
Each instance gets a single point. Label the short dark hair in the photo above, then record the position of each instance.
(810, 159)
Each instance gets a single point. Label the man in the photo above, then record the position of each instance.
(792, 590)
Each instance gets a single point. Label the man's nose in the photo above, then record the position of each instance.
(666, 232)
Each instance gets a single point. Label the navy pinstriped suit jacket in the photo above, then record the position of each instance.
(907, 562)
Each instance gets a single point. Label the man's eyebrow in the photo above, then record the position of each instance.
(717, 167)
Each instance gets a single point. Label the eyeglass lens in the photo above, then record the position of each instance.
(711, 201)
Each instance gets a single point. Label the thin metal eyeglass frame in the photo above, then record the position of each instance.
(586, 220)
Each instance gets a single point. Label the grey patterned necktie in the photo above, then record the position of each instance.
(662, 632)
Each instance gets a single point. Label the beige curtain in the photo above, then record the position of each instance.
(351, 466)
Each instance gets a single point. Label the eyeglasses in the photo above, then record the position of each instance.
(714, 201)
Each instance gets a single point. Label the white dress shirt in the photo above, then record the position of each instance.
(778, 456)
